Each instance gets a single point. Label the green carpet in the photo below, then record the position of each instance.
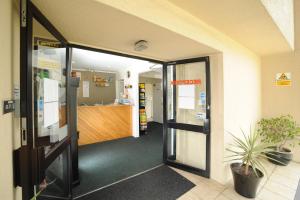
(104, 163)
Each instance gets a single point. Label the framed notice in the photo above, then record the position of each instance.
(284, 79)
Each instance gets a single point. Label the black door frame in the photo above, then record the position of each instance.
(28, 154)
(32, 160)
(205, 129)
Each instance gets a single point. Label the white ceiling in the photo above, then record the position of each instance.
(155, 73)
(90, 60)
(246, 21)
(95, 24)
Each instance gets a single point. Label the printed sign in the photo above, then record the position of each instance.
(283, 79)
(186, 82)
(202, 98)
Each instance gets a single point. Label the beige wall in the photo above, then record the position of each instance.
(97, 94)
(281, 100)
(9, 56)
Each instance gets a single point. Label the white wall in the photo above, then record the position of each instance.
(9, 73)
(158, 103)
(133, 92)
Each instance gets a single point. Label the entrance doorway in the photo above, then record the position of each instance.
(45, 156)
(107, 111)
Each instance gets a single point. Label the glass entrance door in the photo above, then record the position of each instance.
(187, 115)
(45, 71)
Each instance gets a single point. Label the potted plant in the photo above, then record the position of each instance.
(247, 169)
(280, 131)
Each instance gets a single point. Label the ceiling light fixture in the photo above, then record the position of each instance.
(140, 45)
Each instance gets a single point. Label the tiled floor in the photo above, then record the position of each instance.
(280, 184)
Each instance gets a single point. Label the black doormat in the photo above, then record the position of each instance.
(161, 183)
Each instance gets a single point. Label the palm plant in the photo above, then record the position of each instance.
(250, 150)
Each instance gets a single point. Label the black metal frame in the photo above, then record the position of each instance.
(31, 159)
(195, 128)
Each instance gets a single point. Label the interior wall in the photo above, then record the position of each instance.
(9, 76)
(133, 80)
(282, 100)
(97, 95)
(155, 99)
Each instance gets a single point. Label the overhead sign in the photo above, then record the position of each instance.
(284, 79)
(186, 82)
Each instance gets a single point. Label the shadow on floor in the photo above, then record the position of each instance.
(104, 163)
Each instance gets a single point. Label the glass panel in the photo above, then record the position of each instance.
(189, 90)
(187, 147)
(49, 84)
(56, 183)
(50, 109)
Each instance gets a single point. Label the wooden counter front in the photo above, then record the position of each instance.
(102, 123)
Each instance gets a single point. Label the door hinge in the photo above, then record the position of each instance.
(23, 13)
(23, 132)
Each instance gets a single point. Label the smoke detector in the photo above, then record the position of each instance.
(140, 45)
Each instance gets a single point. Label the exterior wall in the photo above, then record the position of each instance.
(240, 70)
(9, 73)
(278, 101)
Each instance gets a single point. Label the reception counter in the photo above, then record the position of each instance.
(104, 122)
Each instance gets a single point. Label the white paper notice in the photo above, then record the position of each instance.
(85, 89)
(186, 91)
(51, 109)
(51, 114)
(186, 96)
(50, 90)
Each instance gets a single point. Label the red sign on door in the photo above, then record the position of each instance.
(186, 82)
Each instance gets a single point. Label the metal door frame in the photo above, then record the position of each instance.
(31, 160)
(195, 128)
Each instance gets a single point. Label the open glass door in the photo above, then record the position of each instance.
(187, 115)
(45, 70)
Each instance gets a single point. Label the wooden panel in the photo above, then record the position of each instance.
(102, 123)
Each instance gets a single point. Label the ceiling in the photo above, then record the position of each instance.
(245, 21)
(155, 73)
(90, 60)
(94, 24)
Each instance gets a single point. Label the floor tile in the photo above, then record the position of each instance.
(233, 195)
(222, 197)
(266, 194)
(280, 189)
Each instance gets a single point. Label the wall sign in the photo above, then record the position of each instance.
(8, 106)
(284, 79)
(186, 82)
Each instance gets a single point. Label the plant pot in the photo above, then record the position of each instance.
(284, 156)
(245, 185)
